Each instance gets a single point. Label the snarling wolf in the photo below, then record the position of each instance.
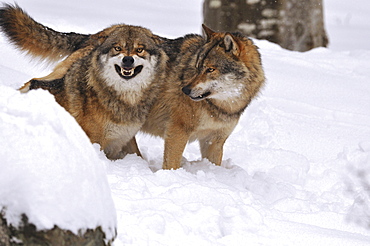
(108, 82)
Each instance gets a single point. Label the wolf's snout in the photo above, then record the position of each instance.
(128, 61)
(195, 94)
(186, 90)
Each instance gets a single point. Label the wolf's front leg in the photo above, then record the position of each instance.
(118, 148)
(174, 144)
(212, 146)
(131, 147)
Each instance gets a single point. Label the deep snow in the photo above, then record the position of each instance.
(295, 171)
(48, 169)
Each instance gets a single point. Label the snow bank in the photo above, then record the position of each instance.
(49, 170)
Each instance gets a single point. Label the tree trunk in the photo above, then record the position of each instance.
(27, 234)
(293, 24)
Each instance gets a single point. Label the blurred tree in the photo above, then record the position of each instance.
(293, 24)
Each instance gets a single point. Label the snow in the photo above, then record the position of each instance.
(296, 169)
(49, 170)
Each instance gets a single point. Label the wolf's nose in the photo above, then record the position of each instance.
(186, 90)
(128, 61)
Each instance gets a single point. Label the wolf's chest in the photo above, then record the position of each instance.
(209, 124)
(121, 131)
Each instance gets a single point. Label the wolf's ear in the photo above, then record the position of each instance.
(100, 37)
(207, 32)
(231, 45)
(158, 39)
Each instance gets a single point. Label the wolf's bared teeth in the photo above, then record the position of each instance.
(127, 71)
(201, 97)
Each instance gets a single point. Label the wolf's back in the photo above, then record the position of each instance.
(35, 38)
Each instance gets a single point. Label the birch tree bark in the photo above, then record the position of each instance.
(293, 24)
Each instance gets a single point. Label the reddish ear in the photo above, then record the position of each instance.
(158, 39)
(207, 32)
(231, 45)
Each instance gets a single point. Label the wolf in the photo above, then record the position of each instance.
(209, 82)
(108, 82)
(212, 82)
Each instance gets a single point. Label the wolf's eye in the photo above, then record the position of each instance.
(117, 48)
(139, 50)
(210, 70)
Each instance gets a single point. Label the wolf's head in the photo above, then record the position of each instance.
(128, 57)
(226, 68)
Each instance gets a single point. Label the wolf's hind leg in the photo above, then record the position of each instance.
(25, 88)
(59, 71)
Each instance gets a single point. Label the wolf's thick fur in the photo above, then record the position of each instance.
(209, 83)
(109, 85)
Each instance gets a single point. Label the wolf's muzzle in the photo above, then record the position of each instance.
(126, 69)
(187, 91)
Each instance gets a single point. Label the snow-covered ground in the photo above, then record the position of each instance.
(296, 170)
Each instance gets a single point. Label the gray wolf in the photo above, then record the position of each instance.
(108, 83)
(212, 82)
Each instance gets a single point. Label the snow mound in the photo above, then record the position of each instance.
(49, 167)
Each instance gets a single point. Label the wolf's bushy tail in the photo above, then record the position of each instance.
(35, 38)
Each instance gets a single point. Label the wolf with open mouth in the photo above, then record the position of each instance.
(117, 82)
(108, 84)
